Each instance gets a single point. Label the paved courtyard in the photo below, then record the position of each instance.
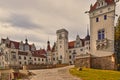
(53, 74)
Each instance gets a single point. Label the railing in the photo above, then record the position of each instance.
(105, 45)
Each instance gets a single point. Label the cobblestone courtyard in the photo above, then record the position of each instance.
(53, 74)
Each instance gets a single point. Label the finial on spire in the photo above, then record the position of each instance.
(26, 40)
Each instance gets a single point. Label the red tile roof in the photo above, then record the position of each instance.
(53, 48)
(71, 44)
(39, 53)
(92, 8)
(16, 44)
(109, 1)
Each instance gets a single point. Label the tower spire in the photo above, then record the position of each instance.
(87, 31)
(26, 40)
(48, 46)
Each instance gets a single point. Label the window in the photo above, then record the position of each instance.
(97, 19)
(101, 34)
(69, 51)
(60, 46)
(14, 56)
(30, 57)
(102, 3)
(24, 58)
(81, 49)
(53, 59)
(105, 17)
(38, 59)
(70, 57)
(42, 59)
(86, 47)
(61, 57)
(19, 62)
(35, 59)
(73, 50)
(19, 57)
(25, 63)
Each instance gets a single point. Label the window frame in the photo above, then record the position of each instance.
(97, 19)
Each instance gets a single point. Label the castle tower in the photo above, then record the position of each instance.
(62, 46)
(48, 46)
(102, 15)
(49, 53)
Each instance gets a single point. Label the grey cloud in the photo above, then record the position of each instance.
(51, 15)
(21, 21)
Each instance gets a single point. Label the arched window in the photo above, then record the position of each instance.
(101, 34)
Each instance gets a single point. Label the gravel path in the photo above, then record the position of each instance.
(53, 74)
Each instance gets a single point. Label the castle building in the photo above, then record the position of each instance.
(65, 51)
(102, 17)
(18, 54)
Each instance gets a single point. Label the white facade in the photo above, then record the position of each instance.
(102, 28)
(64, 52)
(62, 45)
(18, 54)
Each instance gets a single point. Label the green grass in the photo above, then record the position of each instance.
(95, 74)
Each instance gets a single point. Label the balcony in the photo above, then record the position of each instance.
(104, 45)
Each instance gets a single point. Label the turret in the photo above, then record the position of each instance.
(48, 46)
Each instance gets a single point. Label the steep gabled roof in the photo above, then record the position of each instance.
(71, 44)
(83, 42)
(16, 44)
(92, 8)
(48, 46)
(39, 53)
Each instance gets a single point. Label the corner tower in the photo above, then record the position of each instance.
(102, 16)
(62, 46)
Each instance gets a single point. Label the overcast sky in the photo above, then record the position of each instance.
(38, 20)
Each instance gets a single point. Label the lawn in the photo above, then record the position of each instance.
(95, 74)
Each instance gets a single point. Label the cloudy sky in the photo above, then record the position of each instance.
(38, 20)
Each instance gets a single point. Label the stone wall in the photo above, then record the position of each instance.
(103, 62)
(106, 62)
(83, 62)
